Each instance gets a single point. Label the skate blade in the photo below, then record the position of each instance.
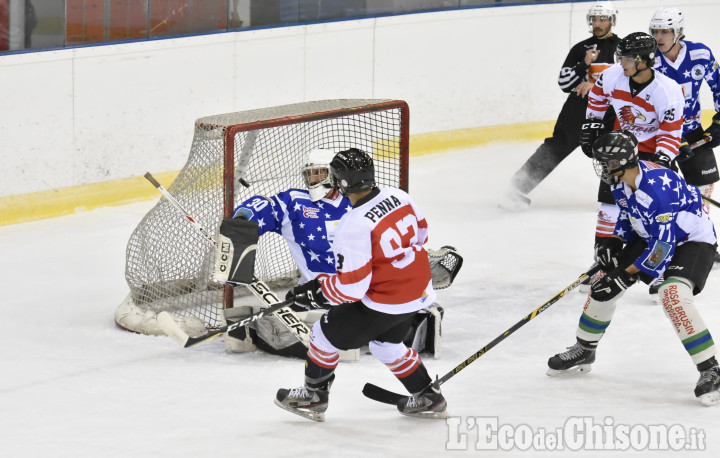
(440, 415)
(309, 414)
(579, 369)
(710, 399)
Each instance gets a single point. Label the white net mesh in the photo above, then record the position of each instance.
(169, 264)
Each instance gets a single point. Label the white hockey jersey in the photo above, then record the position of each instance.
(654, 115)
(379, 255)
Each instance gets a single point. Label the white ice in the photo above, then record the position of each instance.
(73, 384)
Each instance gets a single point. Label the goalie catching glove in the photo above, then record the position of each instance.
(308, 296)
(237, 243)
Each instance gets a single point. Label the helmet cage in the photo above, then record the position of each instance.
(614, 152)
(316, 173)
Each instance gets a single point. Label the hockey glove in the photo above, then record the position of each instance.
(308, 296)
(611, 285)
(684, 152)
(663, 159)
(713, 131)
(607, 251)
(590, 131)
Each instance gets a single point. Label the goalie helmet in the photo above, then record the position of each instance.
(353, 171)
(669, 19)
(614, 152)
(639, 46)
(316, 173)
(601, 9)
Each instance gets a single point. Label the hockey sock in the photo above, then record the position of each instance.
(595, 319)
(677, 300)
(404, 363)
(707, 191)
(606, 219)
(321, 360)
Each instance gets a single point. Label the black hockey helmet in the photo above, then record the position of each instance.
(353, 171)
(614, 152)
(639, 46)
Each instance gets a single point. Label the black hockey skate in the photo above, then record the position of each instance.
(430, 404)
(304, 401)
(708, 384)
(577, 358)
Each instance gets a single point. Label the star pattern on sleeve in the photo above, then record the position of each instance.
(666, 180)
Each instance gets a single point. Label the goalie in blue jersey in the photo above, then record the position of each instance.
(662, 229)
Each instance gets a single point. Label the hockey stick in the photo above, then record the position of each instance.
(168, 324)
(286, 316)
(379, 394)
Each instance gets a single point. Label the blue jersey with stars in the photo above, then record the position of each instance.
(694, 63)
(665, 211)
(308, 227)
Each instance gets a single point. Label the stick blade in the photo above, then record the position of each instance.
(378, 394)
(170, 327)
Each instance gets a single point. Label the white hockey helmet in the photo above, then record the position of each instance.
(316, 172)
(606, 9)
(669, 19)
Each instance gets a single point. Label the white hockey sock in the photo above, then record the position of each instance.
(596, 318)
(606, 219)
(679, 306)
(707, 191)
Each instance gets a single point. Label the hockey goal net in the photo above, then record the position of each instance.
(234, 156)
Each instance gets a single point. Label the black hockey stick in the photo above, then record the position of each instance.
(388, 397)
(287, 317)
(168, 324)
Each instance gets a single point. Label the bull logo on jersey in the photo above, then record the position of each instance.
(630, 115)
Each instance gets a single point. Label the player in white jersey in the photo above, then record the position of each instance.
(689, 63)
(382, 279)
(662, 229)
(585, 61)
(647, 103)
(306, 218)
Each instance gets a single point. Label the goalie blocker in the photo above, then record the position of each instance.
(237, 243)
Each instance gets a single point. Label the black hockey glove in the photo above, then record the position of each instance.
(607, 251)
(591, 130)
(308, 296)
(713, 131)
(663, 159)
(612, 284)
(684, 152)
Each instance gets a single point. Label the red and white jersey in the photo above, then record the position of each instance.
(379, 255)
(654, 115)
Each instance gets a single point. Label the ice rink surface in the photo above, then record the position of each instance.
(74, 385)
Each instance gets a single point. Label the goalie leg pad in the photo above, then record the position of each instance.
(237, 242)
(425, 333)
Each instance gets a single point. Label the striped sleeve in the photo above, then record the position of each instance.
(598, 100)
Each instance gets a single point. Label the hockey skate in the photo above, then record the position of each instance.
(305, 402)
(577, 358)
(708, 385)
(654, 287)
(430, 404)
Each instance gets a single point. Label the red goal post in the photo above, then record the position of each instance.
(169, 266)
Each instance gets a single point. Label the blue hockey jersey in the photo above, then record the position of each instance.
(308, 227)
(665, 211)
(694, 63)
